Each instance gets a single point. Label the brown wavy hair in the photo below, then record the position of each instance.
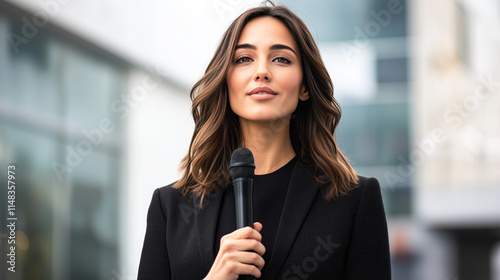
(312, 126)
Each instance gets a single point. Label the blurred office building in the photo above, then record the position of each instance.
(455, 146)
(82, 124)
(95, 114)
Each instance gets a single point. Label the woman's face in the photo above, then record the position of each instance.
(265, 79)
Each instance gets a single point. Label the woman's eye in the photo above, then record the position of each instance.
(243, 59)
(282, 60)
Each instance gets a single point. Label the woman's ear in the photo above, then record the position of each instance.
(303, 94)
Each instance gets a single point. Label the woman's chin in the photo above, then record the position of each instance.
(264, 119)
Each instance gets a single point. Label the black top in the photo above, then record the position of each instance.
(269, 192)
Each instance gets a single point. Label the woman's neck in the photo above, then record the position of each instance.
(269, 142)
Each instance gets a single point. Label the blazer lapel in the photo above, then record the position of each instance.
(206, 225)
(302, 192)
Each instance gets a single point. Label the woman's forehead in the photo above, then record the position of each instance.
(267, 31)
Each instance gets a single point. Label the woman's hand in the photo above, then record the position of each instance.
(240, 253)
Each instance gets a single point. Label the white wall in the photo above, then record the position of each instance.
(456, 94)
(159, 128)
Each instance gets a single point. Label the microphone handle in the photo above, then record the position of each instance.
(243, 198)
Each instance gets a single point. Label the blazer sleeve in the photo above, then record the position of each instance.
(155, 263)
(368, 255)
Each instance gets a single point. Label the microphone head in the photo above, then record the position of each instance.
(242, 164)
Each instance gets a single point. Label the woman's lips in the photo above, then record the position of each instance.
(262, 93)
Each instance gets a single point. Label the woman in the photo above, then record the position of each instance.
(267, 89)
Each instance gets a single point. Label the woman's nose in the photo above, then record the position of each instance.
(262, 73)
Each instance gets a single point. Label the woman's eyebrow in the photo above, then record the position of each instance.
(281, 47)
(246, 46)
(273, 47)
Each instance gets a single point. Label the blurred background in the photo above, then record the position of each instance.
(95, 114)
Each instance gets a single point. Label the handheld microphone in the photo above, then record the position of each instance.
(242, 169)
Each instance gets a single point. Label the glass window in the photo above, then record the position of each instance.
(51, 89)
(391, 70)
(342, 20)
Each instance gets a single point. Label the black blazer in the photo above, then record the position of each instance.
(344, 238)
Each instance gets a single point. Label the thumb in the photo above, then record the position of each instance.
(257, 226)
